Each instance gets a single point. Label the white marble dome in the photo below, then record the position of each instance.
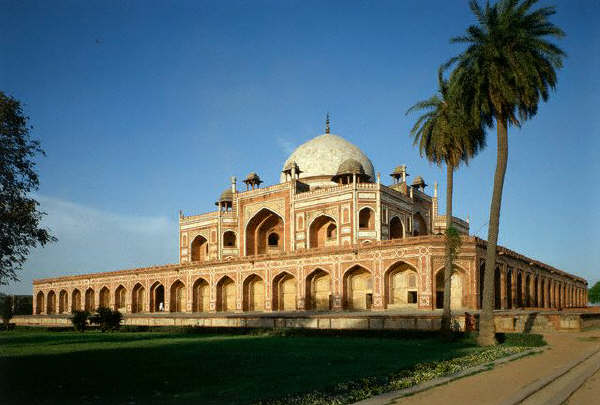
(322, 156)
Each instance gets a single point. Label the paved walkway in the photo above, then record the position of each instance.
(589, 393)
(502, 383)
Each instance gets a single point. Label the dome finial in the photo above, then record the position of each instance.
(327, 124)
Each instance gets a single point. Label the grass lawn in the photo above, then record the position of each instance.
(168, 367)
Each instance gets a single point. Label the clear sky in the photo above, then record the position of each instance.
(145, 108)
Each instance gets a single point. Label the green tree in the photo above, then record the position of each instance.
(7, 311)
(445, 134)
(79, 320)
(20, 218)
(508, 66)
(594, 294)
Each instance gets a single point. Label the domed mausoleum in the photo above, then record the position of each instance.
(331, 236)
(320, 158)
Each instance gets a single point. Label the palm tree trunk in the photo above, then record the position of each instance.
(446, 316)
(486, 320)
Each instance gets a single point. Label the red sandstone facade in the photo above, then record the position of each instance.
(322, 239)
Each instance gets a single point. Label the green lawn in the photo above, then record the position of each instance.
(161, 367)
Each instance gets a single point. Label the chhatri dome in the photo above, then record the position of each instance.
(320, 158)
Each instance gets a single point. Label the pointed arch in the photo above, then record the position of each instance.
(199, 248)
(63, 299)
(396, 228)
(497, 288)
(253, 293)
(264, 233)
(90, 300)
(366, 219)
(104, 297)
(200, 295)
(357, 288)
(322, 232)
(284, 292)
(400, 286)
(318, 291)
(226, 295)
(157, 297)
(177, 299)
(76, 300)
(419, 225)
(120, 298)
(51, 302)
(39, 303)
(229, 239)
(138, 298)
(457, 285)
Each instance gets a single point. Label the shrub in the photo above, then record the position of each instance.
(107, 319)
(7, 312)
(79, 320)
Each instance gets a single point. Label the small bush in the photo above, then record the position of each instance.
(521, 339)
(79, 320)
(7, 312)
(107, 319)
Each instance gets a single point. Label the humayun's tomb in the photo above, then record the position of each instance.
(329, 237)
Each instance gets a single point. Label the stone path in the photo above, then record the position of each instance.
(504, 383)
(589, 393)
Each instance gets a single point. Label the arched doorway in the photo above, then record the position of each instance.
(177, 298)
(201, 296)
(284, 292)
(323, 232)
(264, 233)
(104, 297)
(199, 249)
(120, 298)
(543, 299)
(396, 228)
(456, 289)
(318, 291)
(419, 225)
(358, 288)
(497, 289)
(253, 294)
(90, 300)
(509, 290)
(62, 301)
(39, 303)
(76, 300)
(400, 286)
(226, 295)
(138, 298)
(366, 219)
(157, 297)
(519, 297)
(51, 305)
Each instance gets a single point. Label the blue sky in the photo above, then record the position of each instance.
(145, 108)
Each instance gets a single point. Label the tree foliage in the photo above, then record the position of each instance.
(507, 68)
(594, 294)
(20, 217)
(107, 319)
(79, 319)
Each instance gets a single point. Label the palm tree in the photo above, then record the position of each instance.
(508, 66)
(445, 134)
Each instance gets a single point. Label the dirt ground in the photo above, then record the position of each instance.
(502, 382)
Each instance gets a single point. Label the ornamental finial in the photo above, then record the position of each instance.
(327, 124)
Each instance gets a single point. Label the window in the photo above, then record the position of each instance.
(365, 219)
(412, 297)
(229, 239)
(273, 239)
(412, 281)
